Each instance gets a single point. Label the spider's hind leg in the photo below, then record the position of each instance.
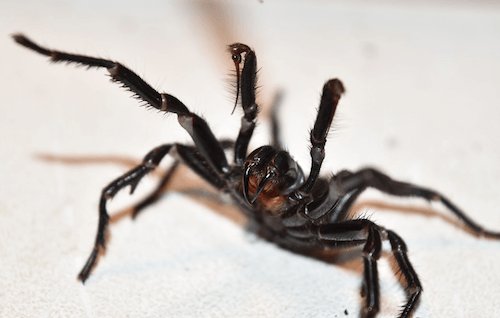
(369, 177)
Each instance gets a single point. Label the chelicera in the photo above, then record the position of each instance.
(303, 213)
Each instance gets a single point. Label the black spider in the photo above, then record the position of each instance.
(303, 214)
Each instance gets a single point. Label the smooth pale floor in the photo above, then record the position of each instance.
(422, 104)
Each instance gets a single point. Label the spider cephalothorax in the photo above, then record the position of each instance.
(304, 214)
(269, 176)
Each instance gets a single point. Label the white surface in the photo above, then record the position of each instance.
(422, 104)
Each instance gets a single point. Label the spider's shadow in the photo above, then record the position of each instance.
(196, 188)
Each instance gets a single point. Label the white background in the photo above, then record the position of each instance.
(422, 104)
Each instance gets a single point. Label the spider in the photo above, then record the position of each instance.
(303, 213)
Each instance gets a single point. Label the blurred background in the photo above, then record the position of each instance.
(422, 104)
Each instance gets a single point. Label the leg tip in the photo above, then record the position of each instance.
(82, 278)
(336, 86)
(20, 38)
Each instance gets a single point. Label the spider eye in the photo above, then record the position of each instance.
(236, 58)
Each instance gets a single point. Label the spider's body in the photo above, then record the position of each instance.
(303, 213)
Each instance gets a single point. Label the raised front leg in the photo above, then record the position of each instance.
(332, 90)
(201, 134)
(246, 84)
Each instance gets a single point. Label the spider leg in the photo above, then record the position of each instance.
(131, 178)
(187, 154)
(357, 232)
(158, 191)
(246, 84)
(413, 288)
(201, 134)
(373, 178)
(332, 90)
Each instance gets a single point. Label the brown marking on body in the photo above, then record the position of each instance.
(269, 198)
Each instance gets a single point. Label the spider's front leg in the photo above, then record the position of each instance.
(246, 85)
(205, 141)
(332, 90)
